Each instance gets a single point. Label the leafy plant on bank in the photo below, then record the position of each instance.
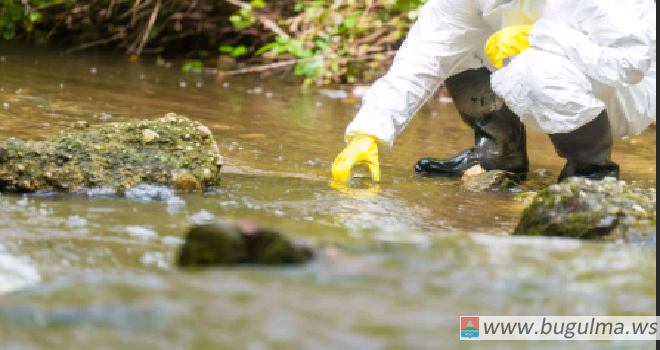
(335, 41)
(16, 13)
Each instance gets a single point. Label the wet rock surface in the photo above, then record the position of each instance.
(586, 209)
(172, 151)
(226, 243)
(490, 180)
(500, 180)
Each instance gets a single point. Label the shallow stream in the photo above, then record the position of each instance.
(402, 261)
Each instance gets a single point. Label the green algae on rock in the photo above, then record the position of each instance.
(587, 209)
(172, 151)
(225, 243)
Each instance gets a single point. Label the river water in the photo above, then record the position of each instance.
(401, 261)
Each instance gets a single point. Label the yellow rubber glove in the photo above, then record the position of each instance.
(506, 42)
(362, 149)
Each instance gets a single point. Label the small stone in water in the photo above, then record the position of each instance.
(473, 171)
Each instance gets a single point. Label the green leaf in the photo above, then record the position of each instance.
(298, 7)
(305, 53)
(238, 51)
(227, 49)
(197, 67)
(281, 40)
(257, 4)
(309, 69)
(266, 48)
(322, 44)
(298, 68)
(35, 16)
(349, 21)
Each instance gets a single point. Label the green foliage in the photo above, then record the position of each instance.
(13, 15)
(234, 51)
(337, 41)
(194, 67)
(243, 18)
(331, 41)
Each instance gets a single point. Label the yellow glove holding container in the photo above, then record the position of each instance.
(506, 42)
(363, 149)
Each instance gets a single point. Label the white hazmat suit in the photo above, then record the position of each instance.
(588, 74)
(585, 56)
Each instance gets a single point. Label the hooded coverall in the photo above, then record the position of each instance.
(447, 44)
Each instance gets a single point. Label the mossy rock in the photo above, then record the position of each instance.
(227, 243)
(172, 151)
(586, 209)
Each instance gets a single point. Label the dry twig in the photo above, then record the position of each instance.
(94, 43)
(152, 20)
(265, 21)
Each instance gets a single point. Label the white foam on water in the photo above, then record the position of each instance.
(16, 272)
(141, 232)
(201, 217)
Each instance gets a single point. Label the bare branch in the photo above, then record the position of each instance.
(265, 21)
(152, 20)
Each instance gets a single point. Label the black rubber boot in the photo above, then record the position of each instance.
(499, 134)
(587, 150)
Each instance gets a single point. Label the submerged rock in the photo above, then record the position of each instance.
(172, 151)
(227, 243)
(582, 208)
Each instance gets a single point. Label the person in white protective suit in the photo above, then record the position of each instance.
(588, 59)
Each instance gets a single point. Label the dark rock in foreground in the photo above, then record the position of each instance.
(582, 208)
(227, 243)
(172, 151)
